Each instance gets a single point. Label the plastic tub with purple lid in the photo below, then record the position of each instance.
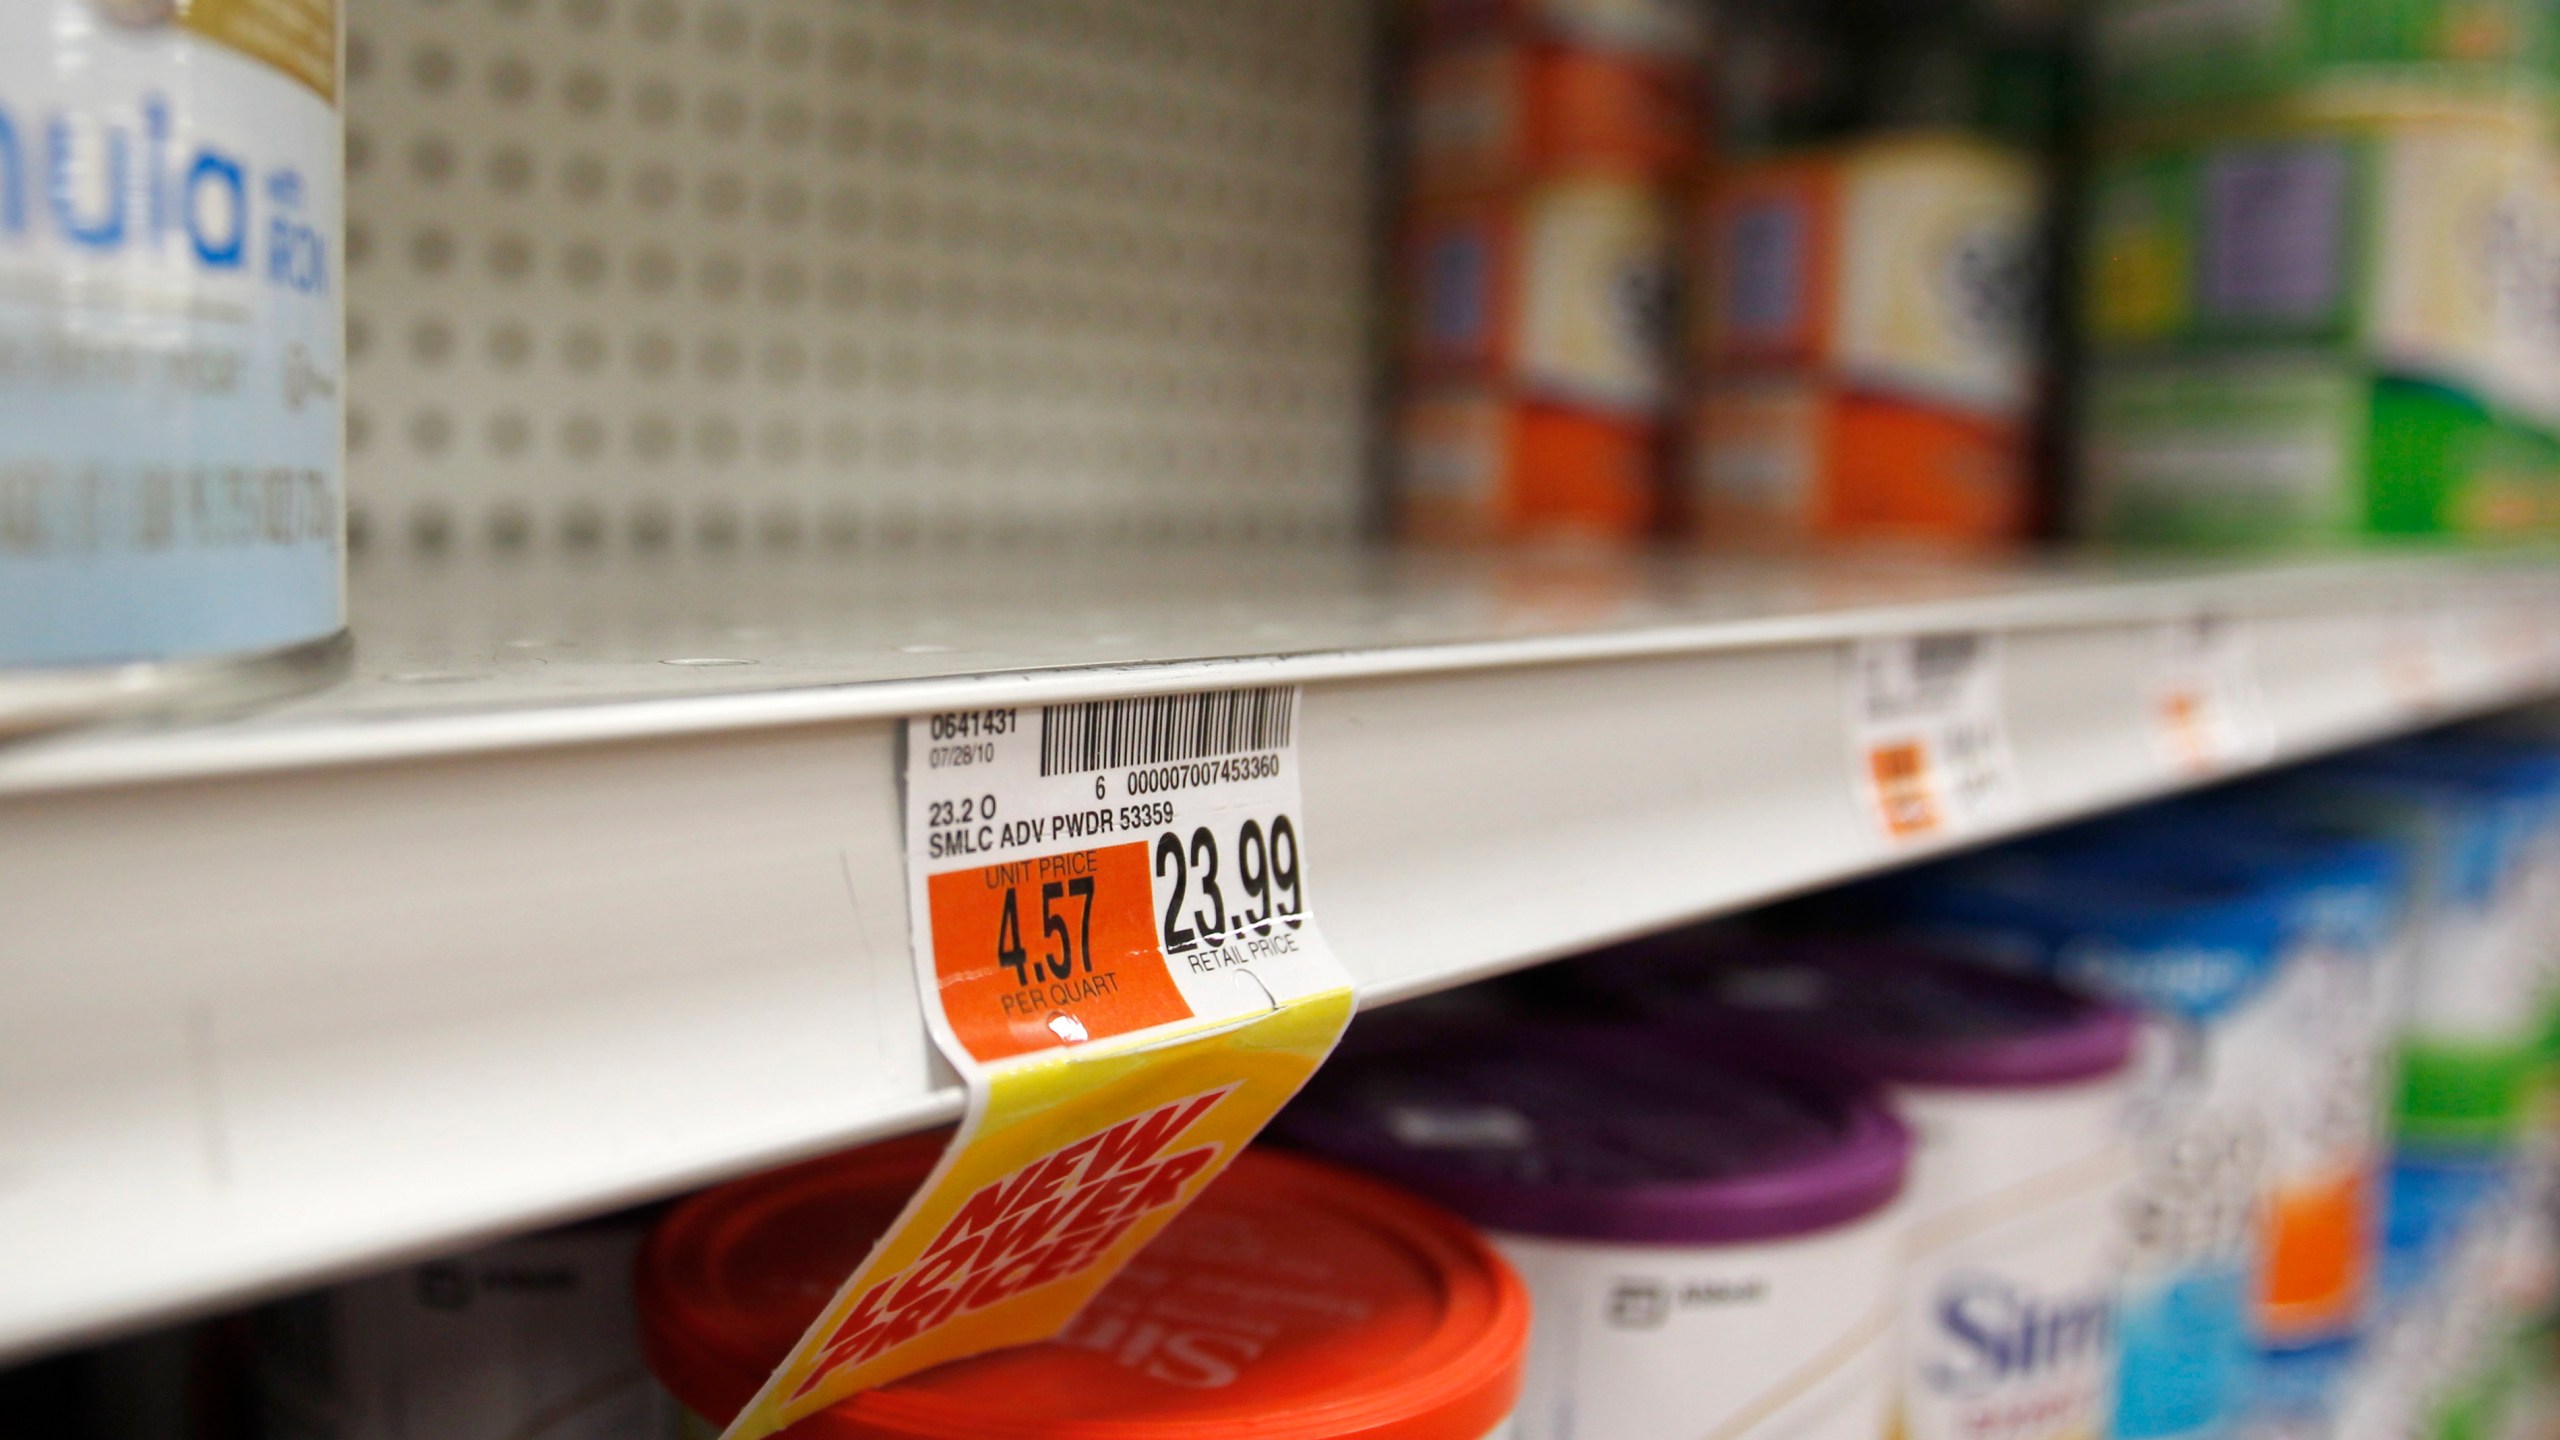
(1711, 1250)
(2015, 1090)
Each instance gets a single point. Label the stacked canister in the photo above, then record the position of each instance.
(2338, 1222)
(2257, 1129)
(2322, 283)
(1766, 1188)
(1545, 138)
(1864, 271)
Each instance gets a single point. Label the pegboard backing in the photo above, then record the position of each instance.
(730, 273)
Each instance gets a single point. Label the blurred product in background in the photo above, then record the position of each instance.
(2282, 273)
(2322, 287)
(2203, 949)
(2313, 326)
(1544, 142)
(2349, 969)
(1292, 1301)
(1865, 344)
(1867, 274)
(172, 501)
(1713, 1249)
(2155, 56)
(531, 1339)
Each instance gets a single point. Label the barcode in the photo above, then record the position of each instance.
(1111, 734)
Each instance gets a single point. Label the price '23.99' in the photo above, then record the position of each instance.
(1265, 877)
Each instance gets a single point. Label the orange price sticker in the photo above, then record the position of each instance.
(1049, 952)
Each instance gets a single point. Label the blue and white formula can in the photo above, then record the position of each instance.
(171, 334)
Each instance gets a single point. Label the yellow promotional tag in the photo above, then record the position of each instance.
(1114, 943)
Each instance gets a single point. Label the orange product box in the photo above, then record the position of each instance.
(1784, 461)
(1476, 465)
(1497, 112)
(1905, 265)
(1558, 290)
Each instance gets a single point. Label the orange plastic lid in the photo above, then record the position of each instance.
(1292, 1301)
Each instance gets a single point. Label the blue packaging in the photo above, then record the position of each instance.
(2435, 1198)
(2201, 944)
(2480, 821)
(2295, 1393)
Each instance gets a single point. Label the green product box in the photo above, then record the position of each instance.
(2301, 450)
(2422, 245)
(2157, 56)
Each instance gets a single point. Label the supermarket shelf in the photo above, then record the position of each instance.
(587, 886)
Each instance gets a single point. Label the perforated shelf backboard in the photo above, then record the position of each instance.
(854, 272)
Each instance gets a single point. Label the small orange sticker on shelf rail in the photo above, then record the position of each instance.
(1114, 937)
(1905, 790)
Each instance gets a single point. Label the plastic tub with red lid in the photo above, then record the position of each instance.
(1292, 1301)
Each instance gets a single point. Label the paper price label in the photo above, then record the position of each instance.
(1929, 739)
(1114, 936)
(2207, 712)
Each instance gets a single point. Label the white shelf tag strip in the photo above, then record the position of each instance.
(1929, 748)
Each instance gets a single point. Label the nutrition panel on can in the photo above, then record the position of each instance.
(2320, 1066)
(2194, 1227)
(2009, 1302)
(170, 329)
(1786, 1338)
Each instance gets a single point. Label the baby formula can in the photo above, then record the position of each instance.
(2015, 1092)
(171, 504)
(2472, 1005)
(530, 1339)
(1292, 1301)
(2348, 894)
(2203, 950)
(1713, 1251)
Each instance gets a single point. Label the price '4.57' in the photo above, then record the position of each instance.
(1065, 949)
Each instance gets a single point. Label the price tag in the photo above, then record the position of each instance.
(2207, 712)
(1929, 740)
(1115, 937)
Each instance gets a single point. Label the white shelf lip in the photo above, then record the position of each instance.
(1906, 597)
(523, 922)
